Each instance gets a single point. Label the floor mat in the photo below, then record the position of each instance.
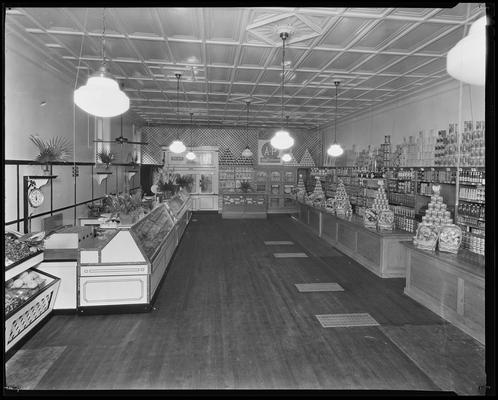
(346, 320)
(290, 255)
(319, 287)
(27, 366)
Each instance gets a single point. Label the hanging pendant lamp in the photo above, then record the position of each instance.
(190, 155)
(335, 150)
(466, 61)
(282, 140)
(286, 157)
(177, 145)
(247, 151)
(101, 96)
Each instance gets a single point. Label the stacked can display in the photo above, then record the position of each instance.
(341, 203)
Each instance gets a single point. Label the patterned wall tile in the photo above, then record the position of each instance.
(233, 139)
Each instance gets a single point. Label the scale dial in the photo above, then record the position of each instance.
(36, 197)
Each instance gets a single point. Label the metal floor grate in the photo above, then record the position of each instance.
(277, 242)
(319, 287)
(346, 320)
(290, 255)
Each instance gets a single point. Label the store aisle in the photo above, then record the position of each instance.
(229, 315)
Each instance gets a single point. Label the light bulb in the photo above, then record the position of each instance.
(190, 155)
(335, 150)
(282, 140)
(101, 97)
(286, 157)
(466, 61)
(247, 152)
(177, 147)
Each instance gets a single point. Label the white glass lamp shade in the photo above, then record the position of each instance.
(282, 140)
(286, 157)
(177, 147)
(466, 61)
(335, 150)
(101, 96)
(247, 152)
(190, 155)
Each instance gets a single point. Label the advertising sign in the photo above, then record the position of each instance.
(267, 155)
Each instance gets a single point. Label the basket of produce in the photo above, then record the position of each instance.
(427, 236)
(450, 238)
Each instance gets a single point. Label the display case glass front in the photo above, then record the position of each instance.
(150, 231)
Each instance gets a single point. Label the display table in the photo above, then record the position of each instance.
(451, 285)
(244, 205)
(380, 252)
(121, 270)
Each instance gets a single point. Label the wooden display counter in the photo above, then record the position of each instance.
(380, 252)
(244, 205)
(450, 285)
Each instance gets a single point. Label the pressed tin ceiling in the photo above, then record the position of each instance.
(229, 55)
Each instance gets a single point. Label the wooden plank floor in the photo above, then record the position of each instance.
(229, 316)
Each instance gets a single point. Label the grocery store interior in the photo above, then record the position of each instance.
(255, 198)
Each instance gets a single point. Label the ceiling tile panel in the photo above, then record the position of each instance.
(271, 76)
(347, 60)
(180, 23)
(218, 88)
(432, 67)
(342, 32)
(459, 12)
(241, 89)
(253, 56)
(138, 21)
(411, 12)
(220, 55)
(443, 45)
(265, 90)
(398, 83)
(317, 59)
(151, 50)
(223, 23)
(188, 53)
(377, 62)
(292, 55)
(417, 36)
(375, 81)
(246, 75)
(407, 64)
(381, 34)
(219, 74)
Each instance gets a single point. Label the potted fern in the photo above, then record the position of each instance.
(53, 150)
(128, 207)
(106, 157)
(185, 182)
(245, 186)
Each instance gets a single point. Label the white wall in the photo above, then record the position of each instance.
(30, 81)
(432, 109)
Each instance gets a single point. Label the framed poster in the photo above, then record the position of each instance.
(267, 155)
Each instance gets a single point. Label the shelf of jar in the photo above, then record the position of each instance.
(472, 201)
(471, 184)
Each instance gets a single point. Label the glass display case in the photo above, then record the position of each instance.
(29, 294)
(123, 267)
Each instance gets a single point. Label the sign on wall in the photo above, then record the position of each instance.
(267, 155)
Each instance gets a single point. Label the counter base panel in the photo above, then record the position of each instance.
(451, 292)
(66, 272)
(113, 290)
(238, 215)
